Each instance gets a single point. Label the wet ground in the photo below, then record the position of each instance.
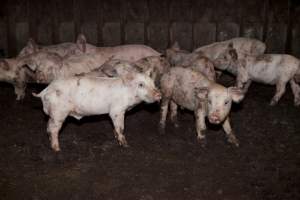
(154, 167)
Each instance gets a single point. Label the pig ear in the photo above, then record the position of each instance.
(29, 63)
(81, 42)
(237, 94)
(202, 93)
(4, 65)
(31, 44)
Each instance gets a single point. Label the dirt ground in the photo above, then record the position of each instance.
(155, 167)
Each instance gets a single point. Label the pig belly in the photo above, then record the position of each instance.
(91, 104)
(264, 74)
(183, 98)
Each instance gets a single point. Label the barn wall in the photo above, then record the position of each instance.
(153, 22)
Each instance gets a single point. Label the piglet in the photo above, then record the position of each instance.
(271, 69)
(85, 95)
(192, 90)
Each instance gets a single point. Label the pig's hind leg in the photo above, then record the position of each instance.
(118, 121)
(173, 114)
(296, 91)
(280, 90)
(20, 90)
(55, 122)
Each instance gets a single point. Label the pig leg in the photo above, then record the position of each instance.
(118, 121)
(246, 87)
(54, 125)
(229, 133)
(20, 90)
(200, 125)
(280, 89)
(163, 115)
(173, 114)
(296, 91)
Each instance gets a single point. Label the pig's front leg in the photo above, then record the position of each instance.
(200, 125)
(173, 114)
(229, 133)
(118, 121)
(163, 115)
(296, 91)
(280, 89)
(246, 86)
(20, 90)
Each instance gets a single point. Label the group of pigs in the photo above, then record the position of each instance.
(88, 80)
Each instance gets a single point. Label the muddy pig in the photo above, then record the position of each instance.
(84, 96)
(192, 90)
(222, 53)
(63, 49)
(272, 69)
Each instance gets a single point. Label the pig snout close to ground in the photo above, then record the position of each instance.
(84, 96)
(191, 90)
(272, 69)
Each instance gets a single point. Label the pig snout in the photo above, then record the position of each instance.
(214, 118)
(156, 95)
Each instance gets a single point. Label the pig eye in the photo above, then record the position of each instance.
(141, 85)
(226, 102)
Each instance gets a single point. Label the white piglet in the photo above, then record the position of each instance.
(84, 96)
(192, 90)
(272, 69)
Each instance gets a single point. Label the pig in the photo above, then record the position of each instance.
(49, 66)
(192, 90)
(13, 71)
(243, 45)
(41, 61)
(132, 52)
(63, 49)
(272, 69)
(197, 61)
(224, 53)
(84, 95)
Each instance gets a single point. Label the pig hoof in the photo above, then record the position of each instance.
(202, 142)
(233, 140)
(176, 125)
(56, 148)
(273, 103)
(161, 130)
(297, 103)
(123, 143)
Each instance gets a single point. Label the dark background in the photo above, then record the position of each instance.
(154, 22)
